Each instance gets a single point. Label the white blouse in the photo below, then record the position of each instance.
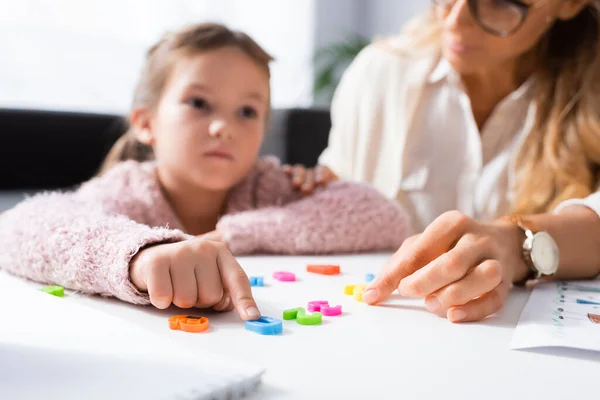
(404, 124)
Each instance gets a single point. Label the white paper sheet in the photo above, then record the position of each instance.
(563, 314)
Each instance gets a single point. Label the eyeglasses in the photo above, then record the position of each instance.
(498, 17)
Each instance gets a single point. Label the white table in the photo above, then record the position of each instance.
(395, 351)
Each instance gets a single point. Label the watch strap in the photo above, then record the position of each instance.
(529, 228)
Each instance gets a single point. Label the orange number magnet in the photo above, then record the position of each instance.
(323, 269)
(188, 323)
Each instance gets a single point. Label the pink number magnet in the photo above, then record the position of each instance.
(283, 276)
(324, 308)
(315, 306)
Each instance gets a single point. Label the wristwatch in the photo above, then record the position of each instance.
(539, 249)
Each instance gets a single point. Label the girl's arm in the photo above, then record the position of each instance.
(78, 241)
(341, 218)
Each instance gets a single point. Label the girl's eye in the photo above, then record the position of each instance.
(248, 112)
(199, 103)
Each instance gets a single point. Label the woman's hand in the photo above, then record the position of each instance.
(463, 268)
(194, 273)
(306, 179)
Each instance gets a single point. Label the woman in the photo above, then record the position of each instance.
(483, 109)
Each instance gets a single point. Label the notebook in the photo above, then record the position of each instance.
(37, 373)
(54, 348)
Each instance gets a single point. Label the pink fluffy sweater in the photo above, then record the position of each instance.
(84, 240)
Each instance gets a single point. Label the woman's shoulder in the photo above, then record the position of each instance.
(386, 65)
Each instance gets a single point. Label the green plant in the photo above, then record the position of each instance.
(330, 63)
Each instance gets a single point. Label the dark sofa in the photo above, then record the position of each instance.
(46, 150)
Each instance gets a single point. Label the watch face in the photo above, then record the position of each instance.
(544, 253)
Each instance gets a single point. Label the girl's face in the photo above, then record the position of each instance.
(470, 48)
(209, 124)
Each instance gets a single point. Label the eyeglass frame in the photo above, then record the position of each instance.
(523, 8)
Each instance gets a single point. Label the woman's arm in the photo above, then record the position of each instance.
(576, 230)
(464, 268)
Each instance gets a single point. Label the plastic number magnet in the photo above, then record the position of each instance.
(323, 269)
(358, 296)
(283, 276)
(265, 326)
(57, 291)
(299, 314)
(315, 306)
(188, 323)
(369, 278)
(312, 319)
(291, 314)
(329, 311)
(349, 289)
(359, 288)
(257, 281)
(324, 308)
(355, 290)
(358, 292)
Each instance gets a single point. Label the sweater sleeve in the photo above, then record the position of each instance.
(340, 218)
(79, 242)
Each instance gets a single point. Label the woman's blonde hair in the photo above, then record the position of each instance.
(159, 63)
(560, 157)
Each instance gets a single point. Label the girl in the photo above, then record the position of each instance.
(481, 109)
(186, 172)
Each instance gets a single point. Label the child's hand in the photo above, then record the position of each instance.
(194, 273)
(213, 236)
(307, 179)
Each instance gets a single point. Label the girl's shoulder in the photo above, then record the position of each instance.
(125, 173)
(129, 168)
(127, 181)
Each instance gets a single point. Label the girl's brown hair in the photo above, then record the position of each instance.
(160, 60)
(560, 158)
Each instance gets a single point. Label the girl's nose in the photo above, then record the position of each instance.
(217, 129)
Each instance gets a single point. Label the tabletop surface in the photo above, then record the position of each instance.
(395, 350)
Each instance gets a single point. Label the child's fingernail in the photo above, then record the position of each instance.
(433, 304)
(370, 295)
(457, 315)
(252, 313)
